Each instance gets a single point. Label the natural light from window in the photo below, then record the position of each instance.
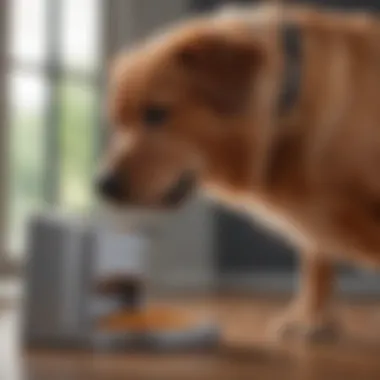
(54, 53)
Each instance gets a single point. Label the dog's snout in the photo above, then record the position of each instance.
(109, 186)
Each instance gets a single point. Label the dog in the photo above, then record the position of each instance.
(274, 111)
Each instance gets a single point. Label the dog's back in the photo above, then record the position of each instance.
(323, 170)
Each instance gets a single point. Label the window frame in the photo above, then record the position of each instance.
(53, 72)
(3, 132)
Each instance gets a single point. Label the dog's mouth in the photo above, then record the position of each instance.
(181, 191)
(112, 194)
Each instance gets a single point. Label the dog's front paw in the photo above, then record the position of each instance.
(295, 324)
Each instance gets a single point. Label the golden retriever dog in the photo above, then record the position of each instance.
(202, 106)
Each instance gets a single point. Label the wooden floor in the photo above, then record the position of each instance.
(246, 353)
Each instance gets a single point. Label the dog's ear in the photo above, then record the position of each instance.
(220, 69)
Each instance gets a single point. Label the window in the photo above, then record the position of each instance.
(54, 101)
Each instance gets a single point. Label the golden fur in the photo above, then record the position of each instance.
(311, 173)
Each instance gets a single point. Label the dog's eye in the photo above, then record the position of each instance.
(154, 116)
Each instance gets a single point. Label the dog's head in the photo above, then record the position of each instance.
(176, 106)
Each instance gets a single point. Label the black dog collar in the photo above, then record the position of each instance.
(292, 48)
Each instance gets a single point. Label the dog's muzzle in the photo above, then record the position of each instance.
(110, 188)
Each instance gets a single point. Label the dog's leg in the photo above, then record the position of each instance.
(309, 316)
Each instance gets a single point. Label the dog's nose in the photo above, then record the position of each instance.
(109, 186)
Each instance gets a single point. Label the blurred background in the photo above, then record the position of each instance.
(53, 60)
